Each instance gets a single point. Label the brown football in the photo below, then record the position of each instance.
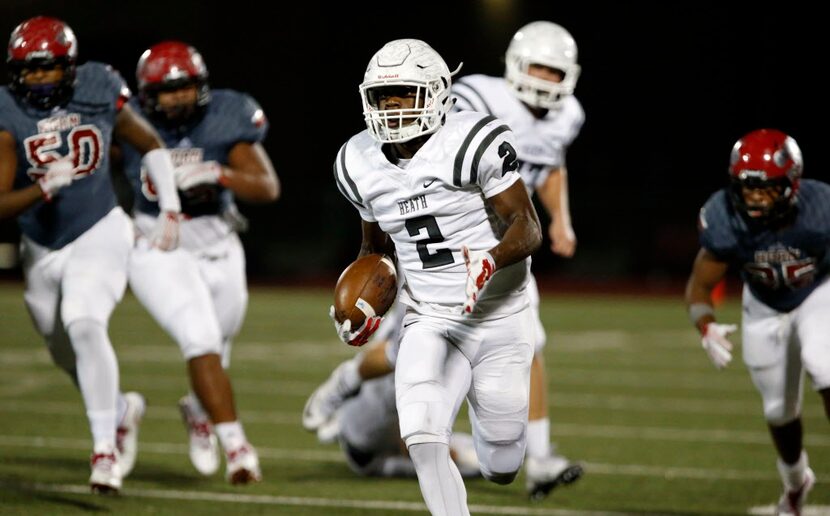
(371, 278)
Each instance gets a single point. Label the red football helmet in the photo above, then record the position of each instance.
(171, 65)
(765, 158)
(42, 42)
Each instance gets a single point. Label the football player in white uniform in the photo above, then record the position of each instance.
(198, 293)
(58, 121)
(535, 98)
(775, 227)
(423, 182)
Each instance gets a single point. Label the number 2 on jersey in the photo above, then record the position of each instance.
(441, 256)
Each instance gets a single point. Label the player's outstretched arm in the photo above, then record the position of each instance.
(554, 196)
(707, 271)
(250, 173)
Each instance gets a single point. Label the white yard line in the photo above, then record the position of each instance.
(297, 501)
(559, 430)
(667, 472)
(808, 510)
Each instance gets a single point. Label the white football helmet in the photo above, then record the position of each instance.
(548, 44)
(406, 63)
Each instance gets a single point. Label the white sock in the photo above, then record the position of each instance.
(441, 484)
(120, 408)
(538, 438)
(348, 379)
(231, 435)
(196, 406)
(97, 378)
(794, 475)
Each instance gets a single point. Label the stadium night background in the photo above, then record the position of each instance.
(666, 92)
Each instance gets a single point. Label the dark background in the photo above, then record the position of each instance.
(666, 91)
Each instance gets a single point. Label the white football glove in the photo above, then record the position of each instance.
(716, 344)
(194, 174)
(361, 335)
(165, 234)
(480, 268)
(59, 174)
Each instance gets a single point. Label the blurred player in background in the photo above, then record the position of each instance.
(56, 126)
(198, 294)
(535, 98)
(419, 179)
(776, 228)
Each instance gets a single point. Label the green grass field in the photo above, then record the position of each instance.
(632, 396)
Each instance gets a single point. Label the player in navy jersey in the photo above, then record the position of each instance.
(775, 227)
(57, 121)
(198, 293)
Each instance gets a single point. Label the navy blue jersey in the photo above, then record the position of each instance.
(230, 117)
(82, 131)
(781, 266)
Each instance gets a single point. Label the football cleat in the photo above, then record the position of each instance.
(126, 437)
(203, 446)
(325, 400)
(106, 471)
(791, 502)
(543, 475)
(242, 465)
(328, 432)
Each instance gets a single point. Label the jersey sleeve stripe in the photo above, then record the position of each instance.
(459, 158)
(477, 95)
(352, 185)
(483, 147)
(351, 193)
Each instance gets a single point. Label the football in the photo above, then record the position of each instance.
(370, 280)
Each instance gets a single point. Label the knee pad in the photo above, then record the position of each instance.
(779, 413)
(501, 432)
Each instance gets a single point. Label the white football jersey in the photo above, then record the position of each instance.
(437, 204)
(542, 143)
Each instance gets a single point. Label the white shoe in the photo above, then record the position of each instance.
(126, 436)
(106, 471)
(203, 448)
(543, 475)
(329, 431)
(791, 502)
(242, 465)
(463, 453)
(325, 400)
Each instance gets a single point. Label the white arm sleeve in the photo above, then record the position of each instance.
(159, 166)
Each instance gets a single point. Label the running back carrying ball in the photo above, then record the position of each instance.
(366, 288)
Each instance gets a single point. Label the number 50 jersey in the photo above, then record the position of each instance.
(437, 204)
(82, 132)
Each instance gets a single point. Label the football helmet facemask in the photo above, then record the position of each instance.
(406, 68)
(169, 66)
(45, 43)
(541, 43)
(765, 159)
